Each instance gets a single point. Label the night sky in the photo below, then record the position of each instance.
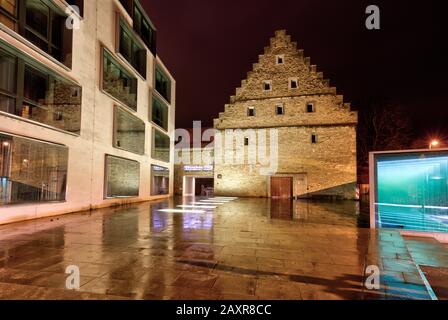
(209, 45)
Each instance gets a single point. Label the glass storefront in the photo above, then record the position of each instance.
(412, 191)
(31, 170)
(160, 184)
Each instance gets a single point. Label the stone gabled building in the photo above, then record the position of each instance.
(316, 129)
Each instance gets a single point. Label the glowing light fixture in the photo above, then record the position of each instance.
(181, 211)
(196, 206)
(434, 144)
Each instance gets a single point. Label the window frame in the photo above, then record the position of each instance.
(282, 107)
(22, 61)
(153, 146)
(115, 127)
(277, 59)
(122, 26)
(106, 178)
(267, 82)
(291, 81)
(314, 139)
(313, 107)
(43, 142)
(152, 194)
(159, 69)
(115, 60)
(251, 112)
(156, 98)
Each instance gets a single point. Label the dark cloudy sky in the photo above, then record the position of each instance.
(209, 45)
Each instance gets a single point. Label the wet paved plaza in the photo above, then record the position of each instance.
(242, 249)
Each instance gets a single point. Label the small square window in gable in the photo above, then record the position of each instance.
(251, 112)
(267, 85)
(293, 83)
(280, 59)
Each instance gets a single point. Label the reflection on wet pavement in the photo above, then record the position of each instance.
(226, 249)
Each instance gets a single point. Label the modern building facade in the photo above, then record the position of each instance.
(316, 130)
(86, 108)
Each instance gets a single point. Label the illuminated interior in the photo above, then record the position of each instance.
(412, 191)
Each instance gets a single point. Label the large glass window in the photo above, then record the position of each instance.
(42, 23)
(118, 82)
(45, 27)
(129, 132)
(143, 27)
(141, 22)
(161, 146)
(31, 171)
(32, 92)
(122, 177)
(159, 113)
(131, 50)
(163, 84)
(160, 184)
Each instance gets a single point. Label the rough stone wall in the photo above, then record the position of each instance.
(329, 166)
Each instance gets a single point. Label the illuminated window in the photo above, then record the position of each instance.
(122, 177)
(160, 184)
(31, 171)
(161, 146)
(39, 94)
(129, 132)
(118, 82)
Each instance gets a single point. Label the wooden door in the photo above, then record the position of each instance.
(281, 187)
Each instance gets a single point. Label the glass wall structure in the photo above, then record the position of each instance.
(31, 91)
(31, 170)
(159, 113)
(160, 184)
(118, 82)
(129, 132)
(412, 191)
(122, 177)
(160, 146)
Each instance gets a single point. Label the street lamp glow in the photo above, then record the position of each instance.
(434, 144)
